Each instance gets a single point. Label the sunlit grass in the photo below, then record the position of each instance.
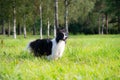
(91, 57)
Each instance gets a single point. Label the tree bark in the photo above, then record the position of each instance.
(54, 29)
(41, 22)
(56, 15)
(24, 28)
(99, 25)
(3, 27)
(103, 22)
(66, 15)
(48, 29)
(9, 28)
(106, 15)
(14, 20)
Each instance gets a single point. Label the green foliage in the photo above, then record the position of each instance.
(92, 57)
(113, 6)
(83, 12)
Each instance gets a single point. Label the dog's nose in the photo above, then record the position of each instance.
(66, 37)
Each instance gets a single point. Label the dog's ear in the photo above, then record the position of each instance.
(58, 30)
(61, 29)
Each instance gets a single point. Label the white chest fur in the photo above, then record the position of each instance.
(60, 48)
(57, 49)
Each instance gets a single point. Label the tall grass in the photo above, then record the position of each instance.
(92, 57)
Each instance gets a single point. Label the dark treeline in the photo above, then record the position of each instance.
(42, 16)
(104, 18)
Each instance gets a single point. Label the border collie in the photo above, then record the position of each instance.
(52, 49)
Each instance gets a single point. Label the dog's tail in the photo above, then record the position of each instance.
(28, 47)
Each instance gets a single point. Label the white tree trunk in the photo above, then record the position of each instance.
(66, 15)
(48, 29)
(41, 22)
(14, 27)
(56, 15)
(102, 28)
(24, 26)
(54, 29)
(24, 31)
(3, 27)
(99, 25)
(103, 22)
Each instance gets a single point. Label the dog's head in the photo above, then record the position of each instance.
(61, 35)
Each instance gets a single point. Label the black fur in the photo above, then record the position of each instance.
(60, 35)
(41, 47)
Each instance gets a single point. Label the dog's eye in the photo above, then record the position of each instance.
(66, 34)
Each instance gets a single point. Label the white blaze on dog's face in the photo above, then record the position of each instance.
(65, 36)
(61, 35)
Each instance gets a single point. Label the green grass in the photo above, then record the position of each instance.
(91, 57)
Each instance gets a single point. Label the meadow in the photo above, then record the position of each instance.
(86, 57)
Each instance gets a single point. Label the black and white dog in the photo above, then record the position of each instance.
(52, 49)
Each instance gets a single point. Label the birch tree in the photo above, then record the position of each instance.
(2, 15)
(24, 28)
(3, 27)
(99, 25)
(56, 14)
(66, 4)
(9, 27)
(40, 22)
(48, 29)
(14, 19)
(103, 23)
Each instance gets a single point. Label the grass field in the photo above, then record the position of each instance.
(91, 57)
